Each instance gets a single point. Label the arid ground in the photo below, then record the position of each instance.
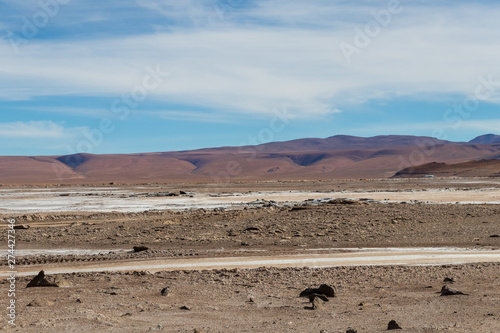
(390, 244)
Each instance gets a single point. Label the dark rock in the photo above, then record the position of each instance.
(40, 281)
(185, 308)
(495, 236)
(449, 280)
(140, 248)
(164, 291)
(350, 330)
(326, 290)
(322, 290)
(308, 292)
(393, 325)
(445, 291)
(296, 208)
(21, 227)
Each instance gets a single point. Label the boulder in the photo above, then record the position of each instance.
(21, 227)
(324, 289)
(393, 326)
(140, 248)
(317, 303)
(40, 281)
(164, 291)
(445, 291)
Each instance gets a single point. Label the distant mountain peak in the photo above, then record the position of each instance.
(486, 139)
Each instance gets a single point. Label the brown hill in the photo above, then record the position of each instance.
(481, 168)
(486, 139)
(335, 157)
(338, 142)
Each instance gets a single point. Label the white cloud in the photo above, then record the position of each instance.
(35, 130)
(252, 68)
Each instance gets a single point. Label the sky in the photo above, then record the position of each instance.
(132, 76)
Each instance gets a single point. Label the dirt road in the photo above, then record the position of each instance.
(360, 257)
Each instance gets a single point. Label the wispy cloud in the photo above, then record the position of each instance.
(249, 69)
(68, 111)
(191, 116)
(262, 55)
(35, 130)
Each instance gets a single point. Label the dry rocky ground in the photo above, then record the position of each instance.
(266, 299)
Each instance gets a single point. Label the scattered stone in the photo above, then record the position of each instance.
(393, 326)
(164, 291)
(185, 308)
(296, 208)
(495, 236)
(317, 303)
(448, 280)
(128, 314)
(39, 302)
(40, 281)
(21, 227)
(445, 291)
(140, 248)
(59, 281)
(162, 194)
(350, 330)
(157, 328)
(343, 201)
(78, 300)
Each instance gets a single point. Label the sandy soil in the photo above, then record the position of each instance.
(251, 299)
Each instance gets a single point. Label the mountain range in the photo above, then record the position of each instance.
(339, 156)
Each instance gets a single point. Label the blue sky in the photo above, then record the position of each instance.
(146, 76)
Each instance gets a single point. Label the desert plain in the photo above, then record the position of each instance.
(235, 257)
